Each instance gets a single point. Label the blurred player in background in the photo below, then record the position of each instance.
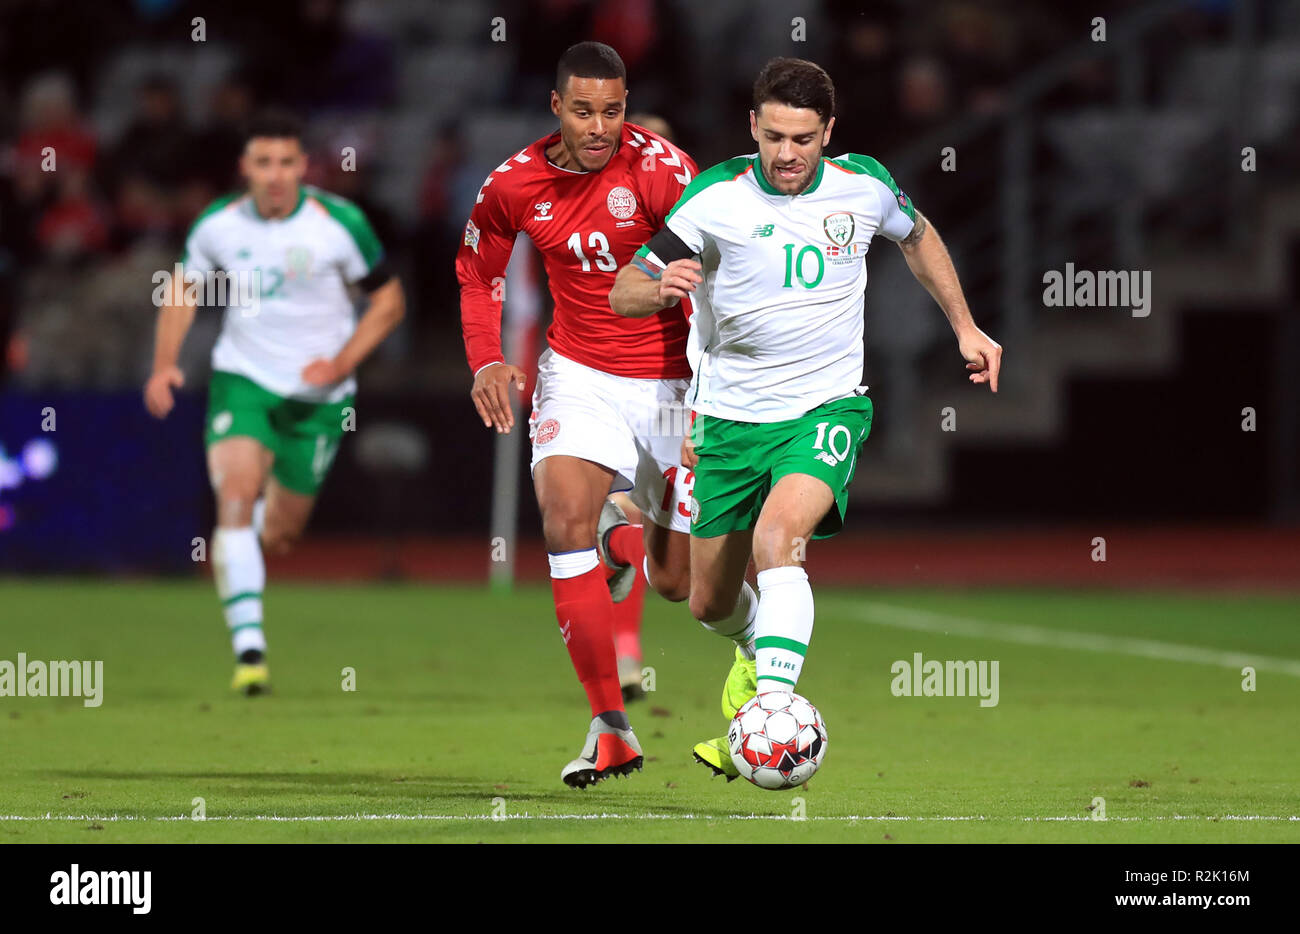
(282, 384)
(587, 196)
(779, 240)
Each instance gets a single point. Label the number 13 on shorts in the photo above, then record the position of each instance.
(679, 491)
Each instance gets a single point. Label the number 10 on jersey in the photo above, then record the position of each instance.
(795, 263)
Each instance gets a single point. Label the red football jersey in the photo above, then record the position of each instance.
(586, 225)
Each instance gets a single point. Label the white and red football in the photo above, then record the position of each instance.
(777, 740)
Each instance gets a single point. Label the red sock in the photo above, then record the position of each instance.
(586, 617)
(627, 620)
(627, 545)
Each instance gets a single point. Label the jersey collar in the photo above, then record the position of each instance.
(302, 197)
(766, 187)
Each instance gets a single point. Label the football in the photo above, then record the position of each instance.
(777, 740)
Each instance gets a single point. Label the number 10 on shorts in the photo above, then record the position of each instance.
(833, 450)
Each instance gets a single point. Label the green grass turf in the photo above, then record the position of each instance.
(464, 697)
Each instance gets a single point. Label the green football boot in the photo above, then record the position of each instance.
(717, 756)
(742, 684)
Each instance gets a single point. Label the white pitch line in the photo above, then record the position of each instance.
(885, 614)
(315, 818)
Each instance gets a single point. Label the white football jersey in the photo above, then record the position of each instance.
(777, 329)
(302, 266)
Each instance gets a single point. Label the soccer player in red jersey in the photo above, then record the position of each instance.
(607, 410)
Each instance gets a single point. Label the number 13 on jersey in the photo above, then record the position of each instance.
(598, 242)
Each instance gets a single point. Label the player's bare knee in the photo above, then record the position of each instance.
(280, 535)
(279, 541)
(707, 607)
(235, 505)
(566, 528)
(776, 545)
(272, 544)
(673, 586)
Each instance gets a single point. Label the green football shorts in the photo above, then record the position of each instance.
(303, 436)
(740, 462)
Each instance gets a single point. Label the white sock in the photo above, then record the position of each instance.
(568, 564)
(259, 515)
(241, 577)
(739, 626)
(783, 627)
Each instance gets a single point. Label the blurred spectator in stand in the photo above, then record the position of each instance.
(218, 145)
(864, 66)
(308, 59)
(924, 97)
(157, 141)
(447, 196)
(647, 34)
(57, 213)
(654, 123)
(10, 353)
(70, 37)
(74, 225)
(150, 163)
(979, 44)
(54, 144)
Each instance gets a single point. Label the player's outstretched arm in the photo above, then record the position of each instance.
(174, 320)
(385, 311)
(929, 261)
(638, 292)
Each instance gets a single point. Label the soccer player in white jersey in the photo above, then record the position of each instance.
(771, 248)
(282, 385)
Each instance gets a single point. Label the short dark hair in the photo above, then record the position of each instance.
(588, 60)
(277, 124)
(796, 83)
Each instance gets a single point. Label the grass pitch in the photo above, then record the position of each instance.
(466, 708)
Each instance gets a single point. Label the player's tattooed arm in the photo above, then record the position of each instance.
(918, 231)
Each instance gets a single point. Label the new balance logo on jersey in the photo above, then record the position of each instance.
(763, 230)
(543, 211)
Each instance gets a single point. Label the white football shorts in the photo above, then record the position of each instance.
(632, 426)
